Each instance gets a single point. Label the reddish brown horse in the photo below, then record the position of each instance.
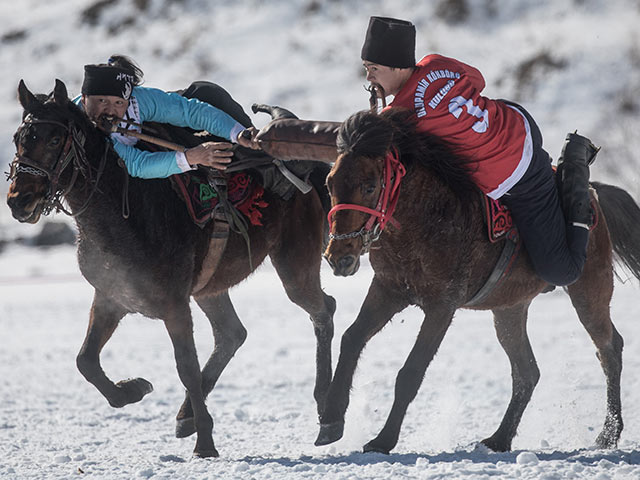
(437, 256)
(151, 262)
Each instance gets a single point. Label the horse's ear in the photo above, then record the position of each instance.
(60, 94)
(27, 99)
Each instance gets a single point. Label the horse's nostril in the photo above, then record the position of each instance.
(20, 201)
(346, 262)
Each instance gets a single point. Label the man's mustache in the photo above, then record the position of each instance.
(108, 122)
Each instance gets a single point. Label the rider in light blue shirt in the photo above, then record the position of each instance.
(110, 94)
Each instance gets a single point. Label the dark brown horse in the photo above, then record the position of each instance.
(438, 256)
(151, 262)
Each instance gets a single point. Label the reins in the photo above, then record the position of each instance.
(393, 173)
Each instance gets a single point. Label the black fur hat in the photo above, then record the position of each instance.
(390, 42)
(107, 80)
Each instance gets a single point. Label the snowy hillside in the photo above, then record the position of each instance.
(574, 64)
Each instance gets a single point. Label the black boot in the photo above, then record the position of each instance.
(573, 173)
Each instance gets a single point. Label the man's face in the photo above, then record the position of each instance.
(104, 110)
(390, 79)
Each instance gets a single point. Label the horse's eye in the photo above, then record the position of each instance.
(54, 142)
(368, 189)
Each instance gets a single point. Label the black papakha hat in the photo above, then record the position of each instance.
(107, 80)
(390, 42)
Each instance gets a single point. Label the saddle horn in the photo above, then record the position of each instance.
(277, 113)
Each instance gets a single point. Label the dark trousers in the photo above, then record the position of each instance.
(557, 250)
(217, 96)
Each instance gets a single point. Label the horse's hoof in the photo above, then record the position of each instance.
(185, 427)
(372, 447)
(495, 445)
(131, 391)
(606, 441)
(610, 434)
(208, 453)
(329, 433)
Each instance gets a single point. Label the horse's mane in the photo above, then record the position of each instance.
(371, 135)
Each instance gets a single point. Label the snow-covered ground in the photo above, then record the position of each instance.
(574, 64)
(54, 424)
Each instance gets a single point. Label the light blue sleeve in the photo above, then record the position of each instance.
(163, 107)
(147, 164)
(141, 163)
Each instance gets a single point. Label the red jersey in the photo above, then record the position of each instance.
(444, 94)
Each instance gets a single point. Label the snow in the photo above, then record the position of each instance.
(54, 424)
(304, 55)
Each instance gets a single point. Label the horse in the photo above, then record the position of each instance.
(152, 262)
(436, 254)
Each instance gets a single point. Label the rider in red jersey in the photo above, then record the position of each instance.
(501, 141)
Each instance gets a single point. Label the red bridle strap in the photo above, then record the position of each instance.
(393, 173)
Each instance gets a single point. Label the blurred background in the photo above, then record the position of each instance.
(574, 64)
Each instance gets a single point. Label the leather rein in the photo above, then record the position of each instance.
(72, 153)
(393, 173)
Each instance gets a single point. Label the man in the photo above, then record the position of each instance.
(501, 141)
(111, 93)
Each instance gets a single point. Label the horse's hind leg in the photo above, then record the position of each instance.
(105, 316)
(591, 296)
(180, 327)
(229, 334)
(297, 258)
(410, 376)
(300, 275)
(511, 328)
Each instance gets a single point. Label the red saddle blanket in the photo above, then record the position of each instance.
(499, 220)
(201, 199)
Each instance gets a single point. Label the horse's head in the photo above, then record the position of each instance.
(363, 185)
(46, 144)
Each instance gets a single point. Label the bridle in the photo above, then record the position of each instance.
(73, 152)
(393, 173)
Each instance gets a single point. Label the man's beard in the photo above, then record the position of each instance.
(107, 123)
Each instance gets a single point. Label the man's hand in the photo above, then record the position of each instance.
(210, 154)
(247, 138)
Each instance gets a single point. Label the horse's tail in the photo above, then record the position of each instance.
(623, 221)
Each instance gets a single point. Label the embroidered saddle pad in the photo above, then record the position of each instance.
(498, 218)
(201, 199)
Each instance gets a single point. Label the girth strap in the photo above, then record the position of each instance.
(217, 245)
(500, 270)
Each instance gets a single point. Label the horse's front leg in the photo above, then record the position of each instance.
(105, 317)
(410, 376)
(180, 327)
(380, 304)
